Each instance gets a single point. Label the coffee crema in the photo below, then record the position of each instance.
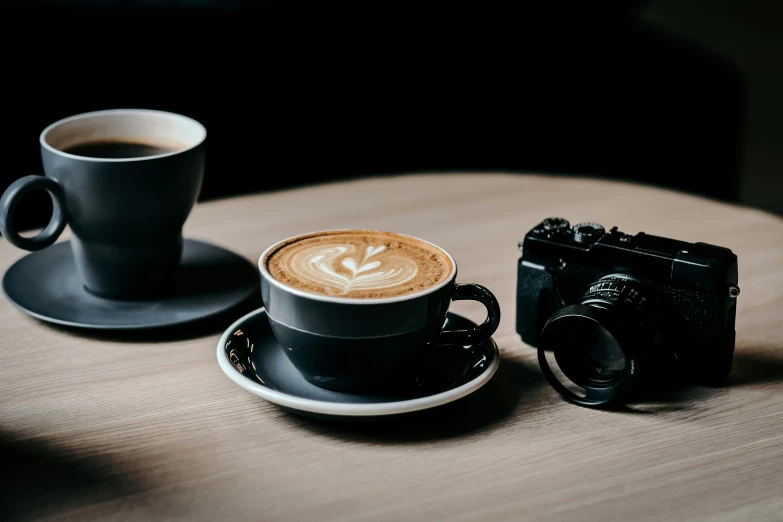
(360, 264)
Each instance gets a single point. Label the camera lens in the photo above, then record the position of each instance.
(590, 352)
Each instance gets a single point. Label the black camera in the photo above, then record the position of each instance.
(608, 309)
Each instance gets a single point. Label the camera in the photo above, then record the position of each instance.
(608, 310)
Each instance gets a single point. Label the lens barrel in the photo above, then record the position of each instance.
(601, 344)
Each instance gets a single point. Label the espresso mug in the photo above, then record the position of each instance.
(125, 181)
(358, 310)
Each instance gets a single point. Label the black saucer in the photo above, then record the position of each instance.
(249, 355)
(211, 280)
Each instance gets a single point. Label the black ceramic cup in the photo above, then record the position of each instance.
(368, 345)
(126, 207)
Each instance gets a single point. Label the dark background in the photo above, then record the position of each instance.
(300, 92)
(749, 34)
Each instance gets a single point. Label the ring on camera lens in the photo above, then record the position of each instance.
(592, 352)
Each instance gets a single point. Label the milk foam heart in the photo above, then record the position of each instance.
(359, 263)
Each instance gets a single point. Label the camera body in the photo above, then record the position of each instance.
(695, 284)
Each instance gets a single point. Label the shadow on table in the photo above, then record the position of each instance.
(37, 480)
(486, 409)
(757, 367)
(666, 395)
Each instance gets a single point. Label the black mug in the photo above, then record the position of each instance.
(368, 345)
(125, 181)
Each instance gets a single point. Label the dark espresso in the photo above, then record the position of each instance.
(118, 149)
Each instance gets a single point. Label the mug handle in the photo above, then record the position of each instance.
(8, 203)
(478, 333)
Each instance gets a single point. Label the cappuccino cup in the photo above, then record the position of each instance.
(359, 310)
(125, 181)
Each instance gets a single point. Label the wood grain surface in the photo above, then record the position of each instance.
(149, 428)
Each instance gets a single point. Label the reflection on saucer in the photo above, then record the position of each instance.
(251, 357)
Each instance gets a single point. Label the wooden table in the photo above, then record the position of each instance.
(95, 429)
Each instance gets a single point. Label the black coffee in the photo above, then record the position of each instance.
(118, 149)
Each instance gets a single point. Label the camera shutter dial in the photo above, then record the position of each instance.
(555, 225)
(587, 232)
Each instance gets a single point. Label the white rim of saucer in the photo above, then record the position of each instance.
(339, 408)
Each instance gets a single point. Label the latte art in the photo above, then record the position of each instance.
(320, 265)
(359, 264)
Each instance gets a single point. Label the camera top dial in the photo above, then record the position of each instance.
(587, 232)
(555, 225)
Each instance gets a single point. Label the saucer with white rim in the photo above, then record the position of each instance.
(249, 355)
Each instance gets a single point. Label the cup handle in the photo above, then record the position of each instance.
(478, 333)
(11, 198)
